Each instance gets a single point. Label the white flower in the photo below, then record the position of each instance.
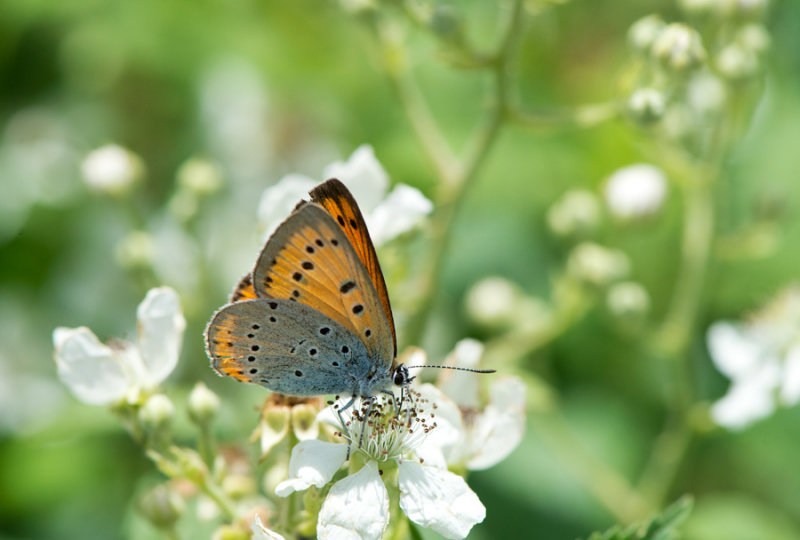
(260, 532)
(387, 215)
(635, 191)
(762, 358)
(357, 506)
(576, 212)
(467, 435)
(100, 374)
(111, 169)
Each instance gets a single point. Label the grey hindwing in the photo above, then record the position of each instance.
(287, 347)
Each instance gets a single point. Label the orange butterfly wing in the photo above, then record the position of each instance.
(244, 290)
(310, 260)
(334, 197)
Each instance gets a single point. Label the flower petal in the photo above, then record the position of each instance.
(438, 499)
(734, 353)
(500, 428)
(749, 399)
(402, 210)
(279, 200)
(447, 439)
(313, 463)
(462, 386)
(161, 326)
(260, 532)
(357, 507)
(364, 176)
(91, 370)
(790, 387)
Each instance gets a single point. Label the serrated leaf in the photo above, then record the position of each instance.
(661, 527)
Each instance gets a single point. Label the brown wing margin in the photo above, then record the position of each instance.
(337, 200)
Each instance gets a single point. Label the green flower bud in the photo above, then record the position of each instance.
(491, 301)
(753, 37)
(162, 506)
(190, 464)
(576, 213)
(597, 265)
(112, 170)
(628, 300)
(679, 48)
(203, 404)
(200, 176)
(304, 421)
(736, 63)
(698, 8)
(136, 250)
(646, 106)
(157, 412)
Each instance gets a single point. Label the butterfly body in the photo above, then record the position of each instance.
(313, 317)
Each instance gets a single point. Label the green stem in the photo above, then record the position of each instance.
(205, 443)
(583, 116)
(456, 179)
(216, 494)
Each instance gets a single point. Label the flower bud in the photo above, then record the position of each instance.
(597, 265)
(203, 404)
(238, 486)
(274, 426)
(644, 32)
(576, 213)
(162, 506)
(679, 48)
(136, 250)
(628, 300)
(753, 37)
(736, 63)
(491, 301)
(646, 106)
(157, 412)
(742, 9)
(112, 170)
(698, 8)
(190, 464)
(635, 191)
(304, 421)
(706, 94)
(200, 176)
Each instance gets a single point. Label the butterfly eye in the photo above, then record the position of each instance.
(400, 376)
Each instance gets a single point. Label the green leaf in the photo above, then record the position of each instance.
(661, 527)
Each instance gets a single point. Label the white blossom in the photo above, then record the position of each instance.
(635, 191)
(761, 357)
(357, 506)
(100, 374)
(467, 433)
(388, 215)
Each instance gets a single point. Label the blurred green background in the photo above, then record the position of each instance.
(265, 88)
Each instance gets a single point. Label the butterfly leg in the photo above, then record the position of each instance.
(345, 431)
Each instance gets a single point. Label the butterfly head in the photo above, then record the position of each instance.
(400, 376)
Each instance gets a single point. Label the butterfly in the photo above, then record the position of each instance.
(313, 317)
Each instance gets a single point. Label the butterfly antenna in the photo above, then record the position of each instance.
(456, 369)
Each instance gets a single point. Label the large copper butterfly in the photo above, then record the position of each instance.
(313, 317)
